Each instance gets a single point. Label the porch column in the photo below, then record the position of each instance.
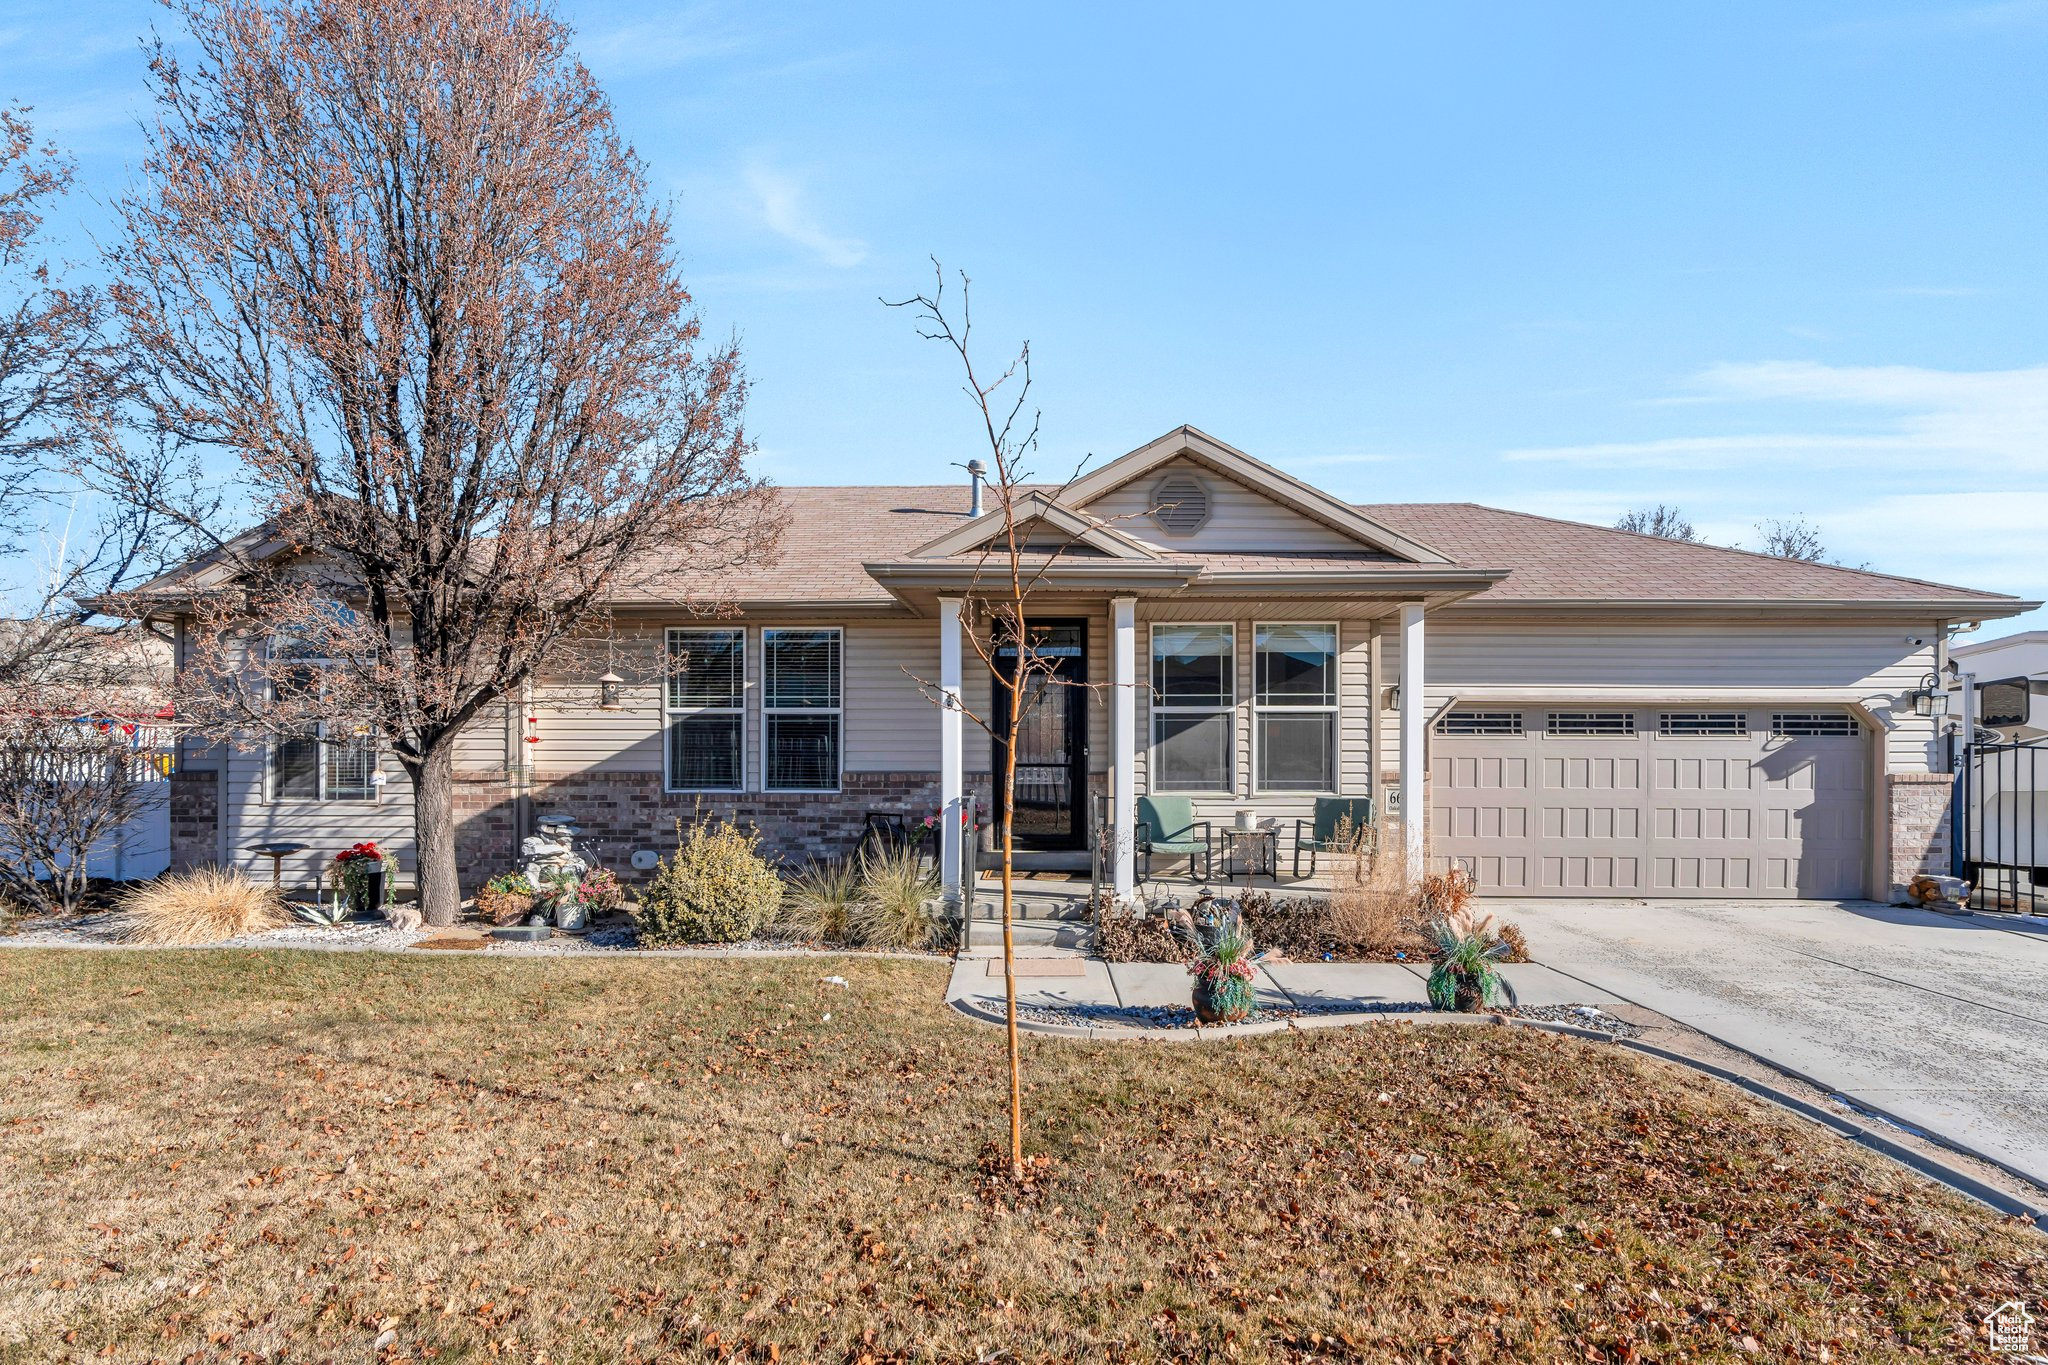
(950, 796)
(1123, 745)
(1414, 808)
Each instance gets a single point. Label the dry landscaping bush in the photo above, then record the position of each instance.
(894, 906)
(205, 905)
(505, 899)
(1121, 936)
(817, 904)
(715, 888)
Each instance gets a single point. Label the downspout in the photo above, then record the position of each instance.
(1373, 741)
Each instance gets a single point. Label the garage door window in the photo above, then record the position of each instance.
(1812, 723)
(1294, 707)
(1504, 723)
(1587, 723)
(1194, 689)
(1703, 724)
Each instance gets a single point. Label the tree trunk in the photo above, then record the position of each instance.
(1009, 811)
(433, 819)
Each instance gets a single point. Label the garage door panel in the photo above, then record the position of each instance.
(1684, 812)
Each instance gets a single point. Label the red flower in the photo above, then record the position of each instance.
(362, 850)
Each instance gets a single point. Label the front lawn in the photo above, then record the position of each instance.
(275, 1156)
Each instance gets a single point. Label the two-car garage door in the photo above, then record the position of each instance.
(1540, 801)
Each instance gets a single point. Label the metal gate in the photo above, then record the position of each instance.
(2001, 826)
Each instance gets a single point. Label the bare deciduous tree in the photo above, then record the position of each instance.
(393, 257)
(1662, 521)
(995, 611)
(1791, 538)
(80, 754)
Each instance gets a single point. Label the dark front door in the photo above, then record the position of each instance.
(1052, 738)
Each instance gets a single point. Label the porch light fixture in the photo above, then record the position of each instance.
(610, 693)
(1930, 698)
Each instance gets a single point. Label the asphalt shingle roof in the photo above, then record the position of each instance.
(832, 531)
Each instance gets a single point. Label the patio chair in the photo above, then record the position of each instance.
(1320, 834)
(1167, 825)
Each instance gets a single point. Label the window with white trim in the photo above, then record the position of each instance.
(1194, 689)
(800, 705)
(706, 705)
(1294, 707)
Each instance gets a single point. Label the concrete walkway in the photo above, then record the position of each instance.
(1114, 992)
(1939, 1021)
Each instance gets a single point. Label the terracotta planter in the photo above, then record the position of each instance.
(1217, 1003)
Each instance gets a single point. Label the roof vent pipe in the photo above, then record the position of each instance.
(975, 470)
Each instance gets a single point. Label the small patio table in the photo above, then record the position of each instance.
(1254, 850)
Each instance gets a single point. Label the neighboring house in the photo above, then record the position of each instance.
(2011, 684)
(1597, 713)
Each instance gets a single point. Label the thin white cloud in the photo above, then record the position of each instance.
(1900, 418)
(779, 199)
(637, 49)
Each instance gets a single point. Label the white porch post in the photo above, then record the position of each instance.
(1414, 808)
(1124, 744)
(949, 750)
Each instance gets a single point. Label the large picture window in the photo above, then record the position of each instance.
(801, 709)
(1193, 690)
(706, 700)
(1294, 708)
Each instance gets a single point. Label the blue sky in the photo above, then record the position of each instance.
(1752, 259)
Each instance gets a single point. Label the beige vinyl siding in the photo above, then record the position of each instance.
(1873, 662)
(1354, 683)
(327, 827)
(1240, 519)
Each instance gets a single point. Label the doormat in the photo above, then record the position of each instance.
(1039, 874)
(1041, 966)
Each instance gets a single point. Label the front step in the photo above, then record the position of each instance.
(1027, 908)
(1032, 934)
(1038, 860)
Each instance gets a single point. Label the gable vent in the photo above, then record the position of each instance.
(1180, 504)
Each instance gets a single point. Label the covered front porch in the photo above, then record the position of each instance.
(1208, 712)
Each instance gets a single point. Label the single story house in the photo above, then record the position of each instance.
(1581, 711)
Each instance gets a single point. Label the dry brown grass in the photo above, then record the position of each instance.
(237, 1156)
(205, 905)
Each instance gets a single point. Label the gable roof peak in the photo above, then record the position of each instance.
(1264, 479)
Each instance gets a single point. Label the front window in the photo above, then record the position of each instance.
(706, 692)
(1193, 689)
(1294, 707)
(801, 709)
(321, 763)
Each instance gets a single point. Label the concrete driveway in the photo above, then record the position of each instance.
(1939, 1021)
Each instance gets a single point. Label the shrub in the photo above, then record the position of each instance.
(506, 898)
(818, 902)
(1517, 946)
(1124, 936)
(205, 905)
(895, 890)
(715, 888)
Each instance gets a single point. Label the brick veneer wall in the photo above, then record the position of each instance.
(195, 818)
(1917, 809)
(622, 811)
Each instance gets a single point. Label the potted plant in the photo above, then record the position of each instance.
(1465, 977)
(599, 893)
(1224, 963)
(506, 898)
(361, 870)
